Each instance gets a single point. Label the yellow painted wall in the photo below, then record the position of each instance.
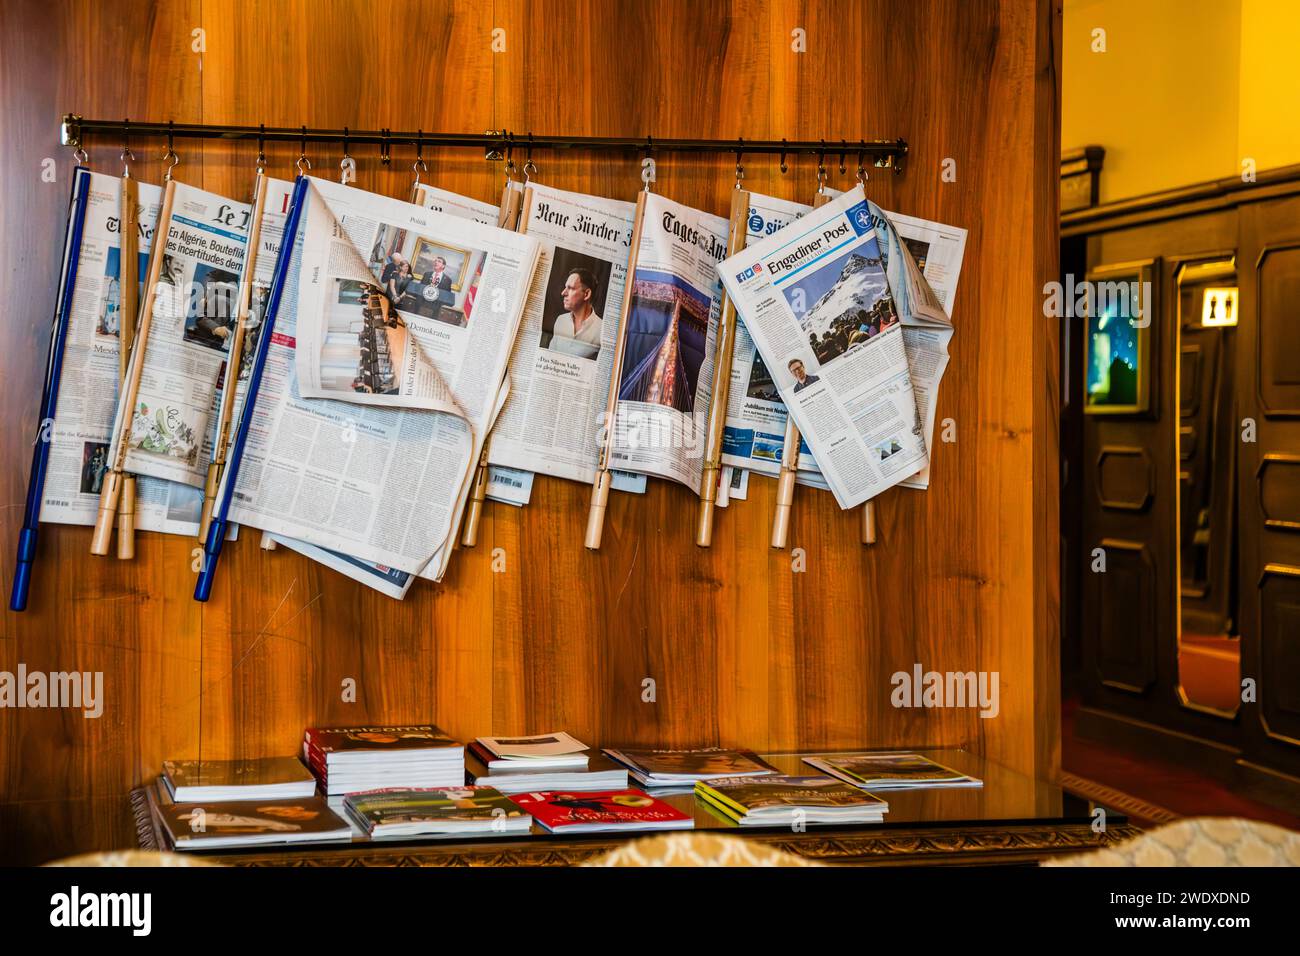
(1161, 97)
(1183, 90)
(1269, 102)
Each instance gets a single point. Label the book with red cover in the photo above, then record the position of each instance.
(601, 810)
(350, 759)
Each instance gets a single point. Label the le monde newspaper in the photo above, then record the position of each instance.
(417, 342)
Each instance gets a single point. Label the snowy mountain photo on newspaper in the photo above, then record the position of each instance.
(851, 302)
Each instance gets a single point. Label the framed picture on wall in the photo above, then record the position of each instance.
(1120, 313)
(427, 251)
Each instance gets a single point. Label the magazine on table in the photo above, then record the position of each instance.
(227, 824)
(599, 811)
(452, 811)
(891, 771)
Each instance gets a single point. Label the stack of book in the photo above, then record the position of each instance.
(269, 778)
(351, 759)
(542, 762)
(785, 801)
(602, 810)
(218, 825)
(891, 771)
(677, 771)
(460, 811)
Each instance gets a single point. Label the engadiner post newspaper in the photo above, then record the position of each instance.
(816, 301)
(395, 496)
(756, 414)
(564, 354)
(664, 389)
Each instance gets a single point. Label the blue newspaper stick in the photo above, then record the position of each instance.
(50, 397)
(221, 511)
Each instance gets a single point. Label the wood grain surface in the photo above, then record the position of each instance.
(743, 649)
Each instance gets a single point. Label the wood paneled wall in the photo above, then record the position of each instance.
(743, 649)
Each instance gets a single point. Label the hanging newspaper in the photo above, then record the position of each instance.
(512, 486)
(661, 419)
(171, 423)
(504, 484)
(381, 484)
(924, 261)
(79, 435)
(755, 430)
(564, 354)
(816, 301)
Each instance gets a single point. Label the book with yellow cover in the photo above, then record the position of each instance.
(783, 800)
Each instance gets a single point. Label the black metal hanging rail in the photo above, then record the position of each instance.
(880, 153)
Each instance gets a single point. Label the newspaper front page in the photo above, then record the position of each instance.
(816, 300)
(171, 424)
(661, 419)
(402, 300)
(755, 429)
(396, 491)
(564, 354)
(79, 436)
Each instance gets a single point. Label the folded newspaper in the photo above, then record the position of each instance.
(669, 339)
(755, 432)
(564, 354)
(326, 465)
(83, 427)
(816, 300)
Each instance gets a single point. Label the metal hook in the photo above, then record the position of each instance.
(303, 164)
(784, 168)
(261, 147)
(648, 177)
(419, 166)
(530, 167)
(821, 169)
(171, 154)
(347, 158)
(385, 148)
(862, 170)
(510, 157)
(128, 157)
(843, 150)
(740, 170)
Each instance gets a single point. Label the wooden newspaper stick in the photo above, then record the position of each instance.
(600, 487)
(785, 484)
(128, 300)
(111, 494)
(507, 218)
(725, 352)
(869, 522)
(226, 410)
(789, 454)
